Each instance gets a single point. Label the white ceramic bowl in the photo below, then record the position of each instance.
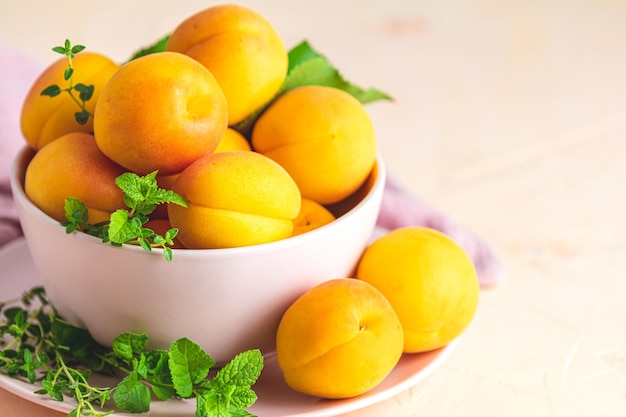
(226, 300)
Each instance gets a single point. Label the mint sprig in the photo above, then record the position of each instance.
(127, 226)
(38, 346)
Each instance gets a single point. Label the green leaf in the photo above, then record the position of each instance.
(167, 196)
(59, 50)
(66, 334)
(158, 368)
(121, 229)
(214, 405)
(300, 53)
(308, 67)
(67, 74)
(76, 211)
(81, 117)
(132, 395)
(51, 91)
(243, 370)
(189, 365)
(77, 48)
(158, 46)
(84, 91)
(126, 345)
(234, 380)
(135, 187)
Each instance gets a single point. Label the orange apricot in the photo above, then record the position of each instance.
(429, 280)
(323, 137)
(73, 166)
(312, 216)
(233, 141)
(234, 198)
(160, 112)
(241, 49)
(339, 339)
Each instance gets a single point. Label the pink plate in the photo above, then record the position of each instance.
(276, 399)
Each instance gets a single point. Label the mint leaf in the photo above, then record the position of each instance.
(242, 371)
(76, 214)
(159, 373)
(309, 67)
(136, 188)
(132, 395)
(161, 196)
(301, 53)
(122, 228)
(127, 345)
(234, 380)
(189, 365)
(212, 405)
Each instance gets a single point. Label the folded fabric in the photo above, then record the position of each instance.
(399, 207)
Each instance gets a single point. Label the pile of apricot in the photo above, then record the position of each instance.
(176, 112)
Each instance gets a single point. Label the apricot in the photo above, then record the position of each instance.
(43, 118)
(429, 280)
(234, 198)
(73, 166)
(312, 216)
(241, 49)
(323, 137)
(339, 339)
(233, 141)
(160, 112)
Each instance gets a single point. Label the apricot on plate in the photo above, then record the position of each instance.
(43, 118)
(73, 166)
(429, 280)
(312, 215)
(241, 49)
(160, 112)
(323, 137)
(339, 339)
(234, 198)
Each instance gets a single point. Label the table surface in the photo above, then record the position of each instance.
(508, 116)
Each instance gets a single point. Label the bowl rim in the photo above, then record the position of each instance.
(18, 171)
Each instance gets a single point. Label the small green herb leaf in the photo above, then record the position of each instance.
(51, 91)
(189, 365)
(127, 345)
(84, 91)
(132, 395)
(81, 117)
(234, 380)
(77, 48)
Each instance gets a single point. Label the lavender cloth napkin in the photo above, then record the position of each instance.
(399, 207)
